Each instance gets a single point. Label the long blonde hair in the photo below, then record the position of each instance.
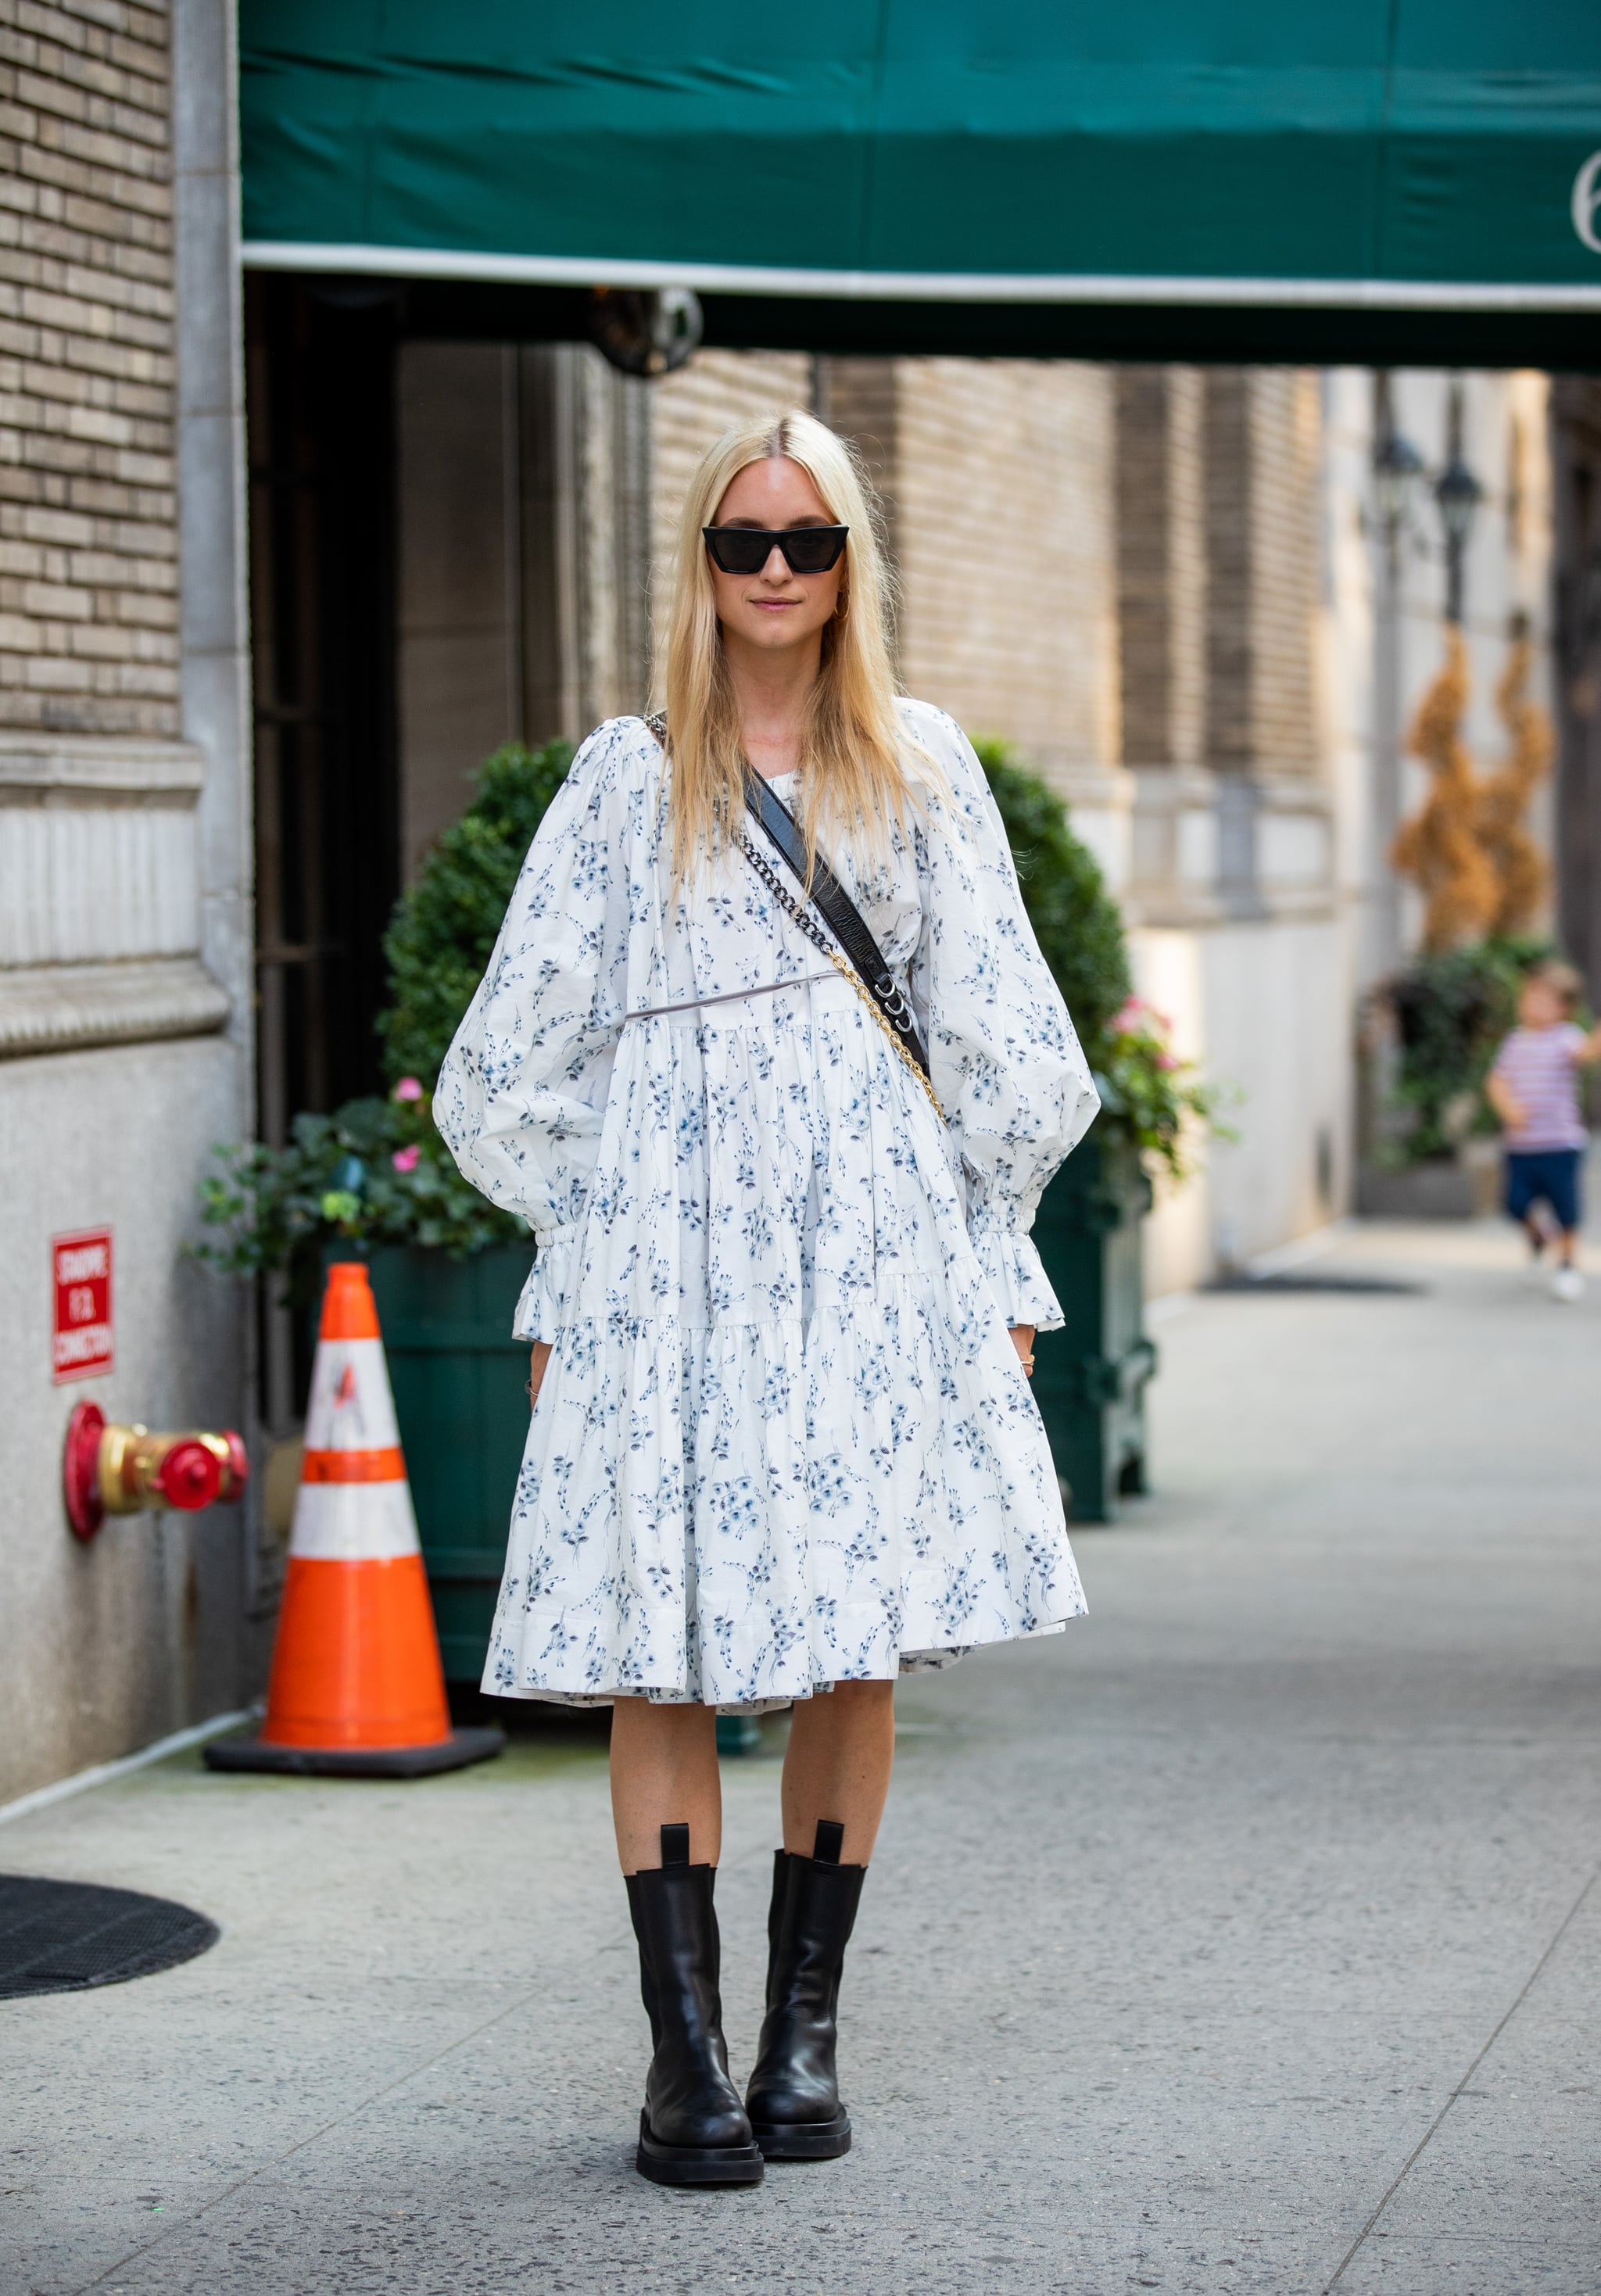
(862, 765)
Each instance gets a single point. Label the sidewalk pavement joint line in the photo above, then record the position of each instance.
(1417, 2151)
(105, 1774)
(182, 2223)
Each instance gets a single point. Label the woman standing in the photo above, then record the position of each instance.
(783, 1447)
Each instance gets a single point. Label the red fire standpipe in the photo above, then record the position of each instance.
(115, 1469)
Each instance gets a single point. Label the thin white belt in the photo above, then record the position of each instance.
(728, 997)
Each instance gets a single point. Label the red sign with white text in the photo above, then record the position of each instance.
(82, 1265)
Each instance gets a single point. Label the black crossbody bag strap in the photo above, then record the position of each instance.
(829, 897)
(839, 912)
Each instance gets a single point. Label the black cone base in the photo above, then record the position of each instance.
(452, 1753)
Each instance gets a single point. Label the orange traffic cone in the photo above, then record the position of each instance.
(357, 1687)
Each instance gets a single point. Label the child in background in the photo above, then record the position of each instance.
(1533, 1088)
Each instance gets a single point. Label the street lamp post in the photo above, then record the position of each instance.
(1397, 470)
(1458, 495)
(1398, 477)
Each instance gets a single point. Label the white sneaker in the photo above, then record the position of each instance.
(1568, 1284)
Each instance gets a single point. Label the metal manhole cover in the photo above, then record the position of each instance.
(60, 1937)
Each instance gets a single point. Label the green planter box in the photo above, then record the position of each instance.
(460, 1382)
(1090, 1377)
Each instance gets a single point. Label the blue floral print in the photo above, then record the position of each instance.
(783, 1439)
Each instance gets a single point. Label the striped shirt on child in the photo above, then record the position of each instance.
(1538, 1066)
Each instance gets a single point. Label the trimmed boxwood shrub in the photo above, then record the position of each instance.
(1078, 925)
(445, 927)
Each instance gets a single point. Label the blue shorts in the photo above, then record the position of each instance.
(1551, 1174)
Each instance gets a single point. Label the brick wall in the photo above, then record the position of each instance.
(88, 539)
(1262, 454)
(995, 477)
(1284, 481)
(1161, 564)
(1003, 514)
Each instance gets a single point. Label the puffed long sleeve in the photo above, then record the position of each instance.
(521, 1095)
(1005, 1062)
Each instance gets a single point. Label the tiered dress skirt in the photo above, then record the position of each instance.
(783, 1440)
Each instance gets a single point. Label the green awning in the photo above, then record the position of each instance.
(1417, 154)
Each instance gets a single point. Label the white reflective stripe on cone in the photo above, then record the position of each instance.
(351, 1408)
(353, 1522)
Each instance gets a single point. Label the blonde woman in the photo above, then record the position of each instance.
(782, 1446)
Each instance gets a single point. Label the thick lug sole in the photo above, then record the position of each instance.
(803, 2140)
(697, 2164)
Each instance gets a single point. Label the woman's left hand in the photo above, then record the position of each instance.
(1022, 1340)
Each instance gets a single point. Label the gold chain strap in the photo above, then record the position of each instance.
(842, 964)
(819, 940)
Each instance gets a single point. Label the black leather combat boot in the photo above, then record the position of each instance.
(794, 2096)
(694, 2129)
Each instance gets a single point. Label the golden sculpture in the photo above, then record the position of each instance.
(1521, 870)
(1440, 848)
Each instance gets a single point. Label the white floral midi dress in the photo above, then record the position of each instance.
(783, 1439)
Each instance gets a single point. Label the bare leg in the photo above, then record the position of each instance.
(1570, 1247)
(841, 1745)
(664, 1772)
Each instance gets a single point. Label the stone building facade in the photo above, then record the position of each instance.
(125, 950)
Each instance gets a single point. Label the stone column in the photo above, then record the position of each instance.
(125, 955)
(458, 637)
(586, 447)
(524, 480)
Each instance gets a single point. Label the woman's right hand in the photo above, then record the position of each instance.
(535, 1370)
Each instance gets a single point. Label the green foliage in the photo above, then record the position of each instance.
(1148, 1096)
(374, 1172)
(1451, 1008)
(1076, 922)
(445, 928)
(1152, 1097)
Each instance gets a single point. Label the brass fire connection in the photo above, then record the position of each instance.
(125, 1470)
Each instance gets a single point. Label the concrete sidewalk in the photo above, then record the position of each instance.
(1245, 1937)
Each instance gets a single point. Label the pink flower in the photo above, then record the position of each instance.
(405, 1159)
(1128, 1016)
(1166, 1060)
(408, 1088)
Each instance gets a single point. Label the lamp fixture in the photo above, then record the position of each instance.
(1458, 495)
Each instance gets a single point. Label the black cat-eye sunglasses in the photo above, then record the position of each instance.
(746, 549)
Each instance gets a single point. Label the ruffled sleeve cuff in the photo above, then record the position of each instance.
(1017, 1278)
(545, 1294)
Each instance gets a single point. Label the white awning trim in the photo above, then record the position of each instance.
(916, 286)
